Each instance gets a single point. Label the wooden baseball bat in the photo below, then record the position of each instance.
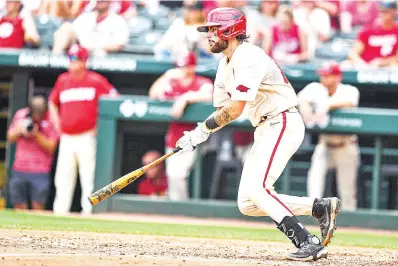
(125, 180)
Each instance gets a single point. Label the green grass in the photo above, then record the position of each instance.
(18, 220)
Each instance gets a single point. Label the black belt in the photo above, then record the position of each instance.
(263, 118)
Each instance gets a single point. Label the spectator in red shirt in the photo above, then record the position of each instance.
(154, 183)
(182, 86)
(36, 139)
(358, 13)
(17, 29)
(377, 46)
(74, 110)
(286, 42)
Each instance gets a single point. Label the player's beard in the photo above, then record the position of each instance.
(219, 46)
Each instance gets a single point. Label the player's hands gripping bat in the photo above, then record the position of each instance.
(193, 138)
(125, 180)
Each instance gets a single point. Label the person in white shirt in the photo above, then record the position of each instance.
(247, 78)
(100, 31)
(333, 151)
(314, 21)
(182, 37)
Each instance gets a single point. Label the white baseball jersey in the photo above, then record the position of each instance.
(252, 76)
(318, 95)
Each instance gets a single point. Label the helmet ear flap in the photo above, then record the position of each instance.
(224, 32)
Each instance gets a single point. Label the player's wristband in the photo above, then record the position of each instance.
(211, 124)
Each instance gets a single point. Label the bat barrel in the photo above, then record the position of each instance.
(114, 187)
(106, 192)
(120, 183)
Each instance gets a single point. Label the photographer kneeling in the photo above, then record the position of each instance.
(36, 139)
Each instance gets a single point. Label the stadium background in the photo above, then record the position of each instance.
(31, 70)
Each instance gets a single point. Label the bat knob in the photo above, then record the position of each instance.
(89, 199)
(177, 149)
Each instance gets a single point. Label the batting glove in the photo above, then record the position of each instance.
(193, 138)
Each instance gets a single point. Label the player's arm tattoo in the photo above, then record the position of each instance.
(220, 118)
(223, 117)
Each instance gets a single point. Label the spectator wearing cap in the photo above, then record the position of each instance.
(286, 42)
(100, 31)
(340, 152)
(182, 86)
(182, 36)
(358, 14)
(154, 182)
(74, 109)
(36, 139)
(377, 46)
(17, 29)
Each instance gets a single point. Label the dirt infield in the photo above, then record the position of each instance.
(20, 247)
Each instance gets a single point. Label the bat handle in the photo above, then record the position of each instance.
(177, 149)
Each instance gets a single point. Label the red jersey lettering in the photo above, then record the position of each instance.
(378, 42)
(78, 100)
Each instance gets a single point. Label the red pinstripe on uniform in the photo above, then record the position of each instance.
(271, 160)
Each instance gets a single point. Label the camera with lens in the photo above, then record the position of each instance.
(28, 123)
(37, 107)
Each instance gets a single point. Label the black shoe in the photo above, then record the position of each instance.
(310, 249)
(326, 211)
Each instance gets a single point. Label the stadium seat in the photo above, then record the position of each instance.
(225, 162)
(139, 25)
(144, 43)
(46, 27)
(154, 14)
(337, 49)
(349, 36)
(162, 24)
(150, 38)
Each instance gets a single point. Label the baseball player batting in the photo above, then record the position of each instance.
(248, 77)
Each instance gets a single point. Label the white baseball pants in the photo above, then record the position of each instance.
(346, 161)
(75, 150)
(178, 168)
(275, 141)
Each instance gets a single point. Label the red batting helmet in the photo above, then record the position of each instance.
(330, 68)
(77, 52)
(187, 60)
(231, 22)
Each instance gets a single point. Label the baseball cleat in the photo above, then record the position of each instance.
(310, 249)
(326, 211)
